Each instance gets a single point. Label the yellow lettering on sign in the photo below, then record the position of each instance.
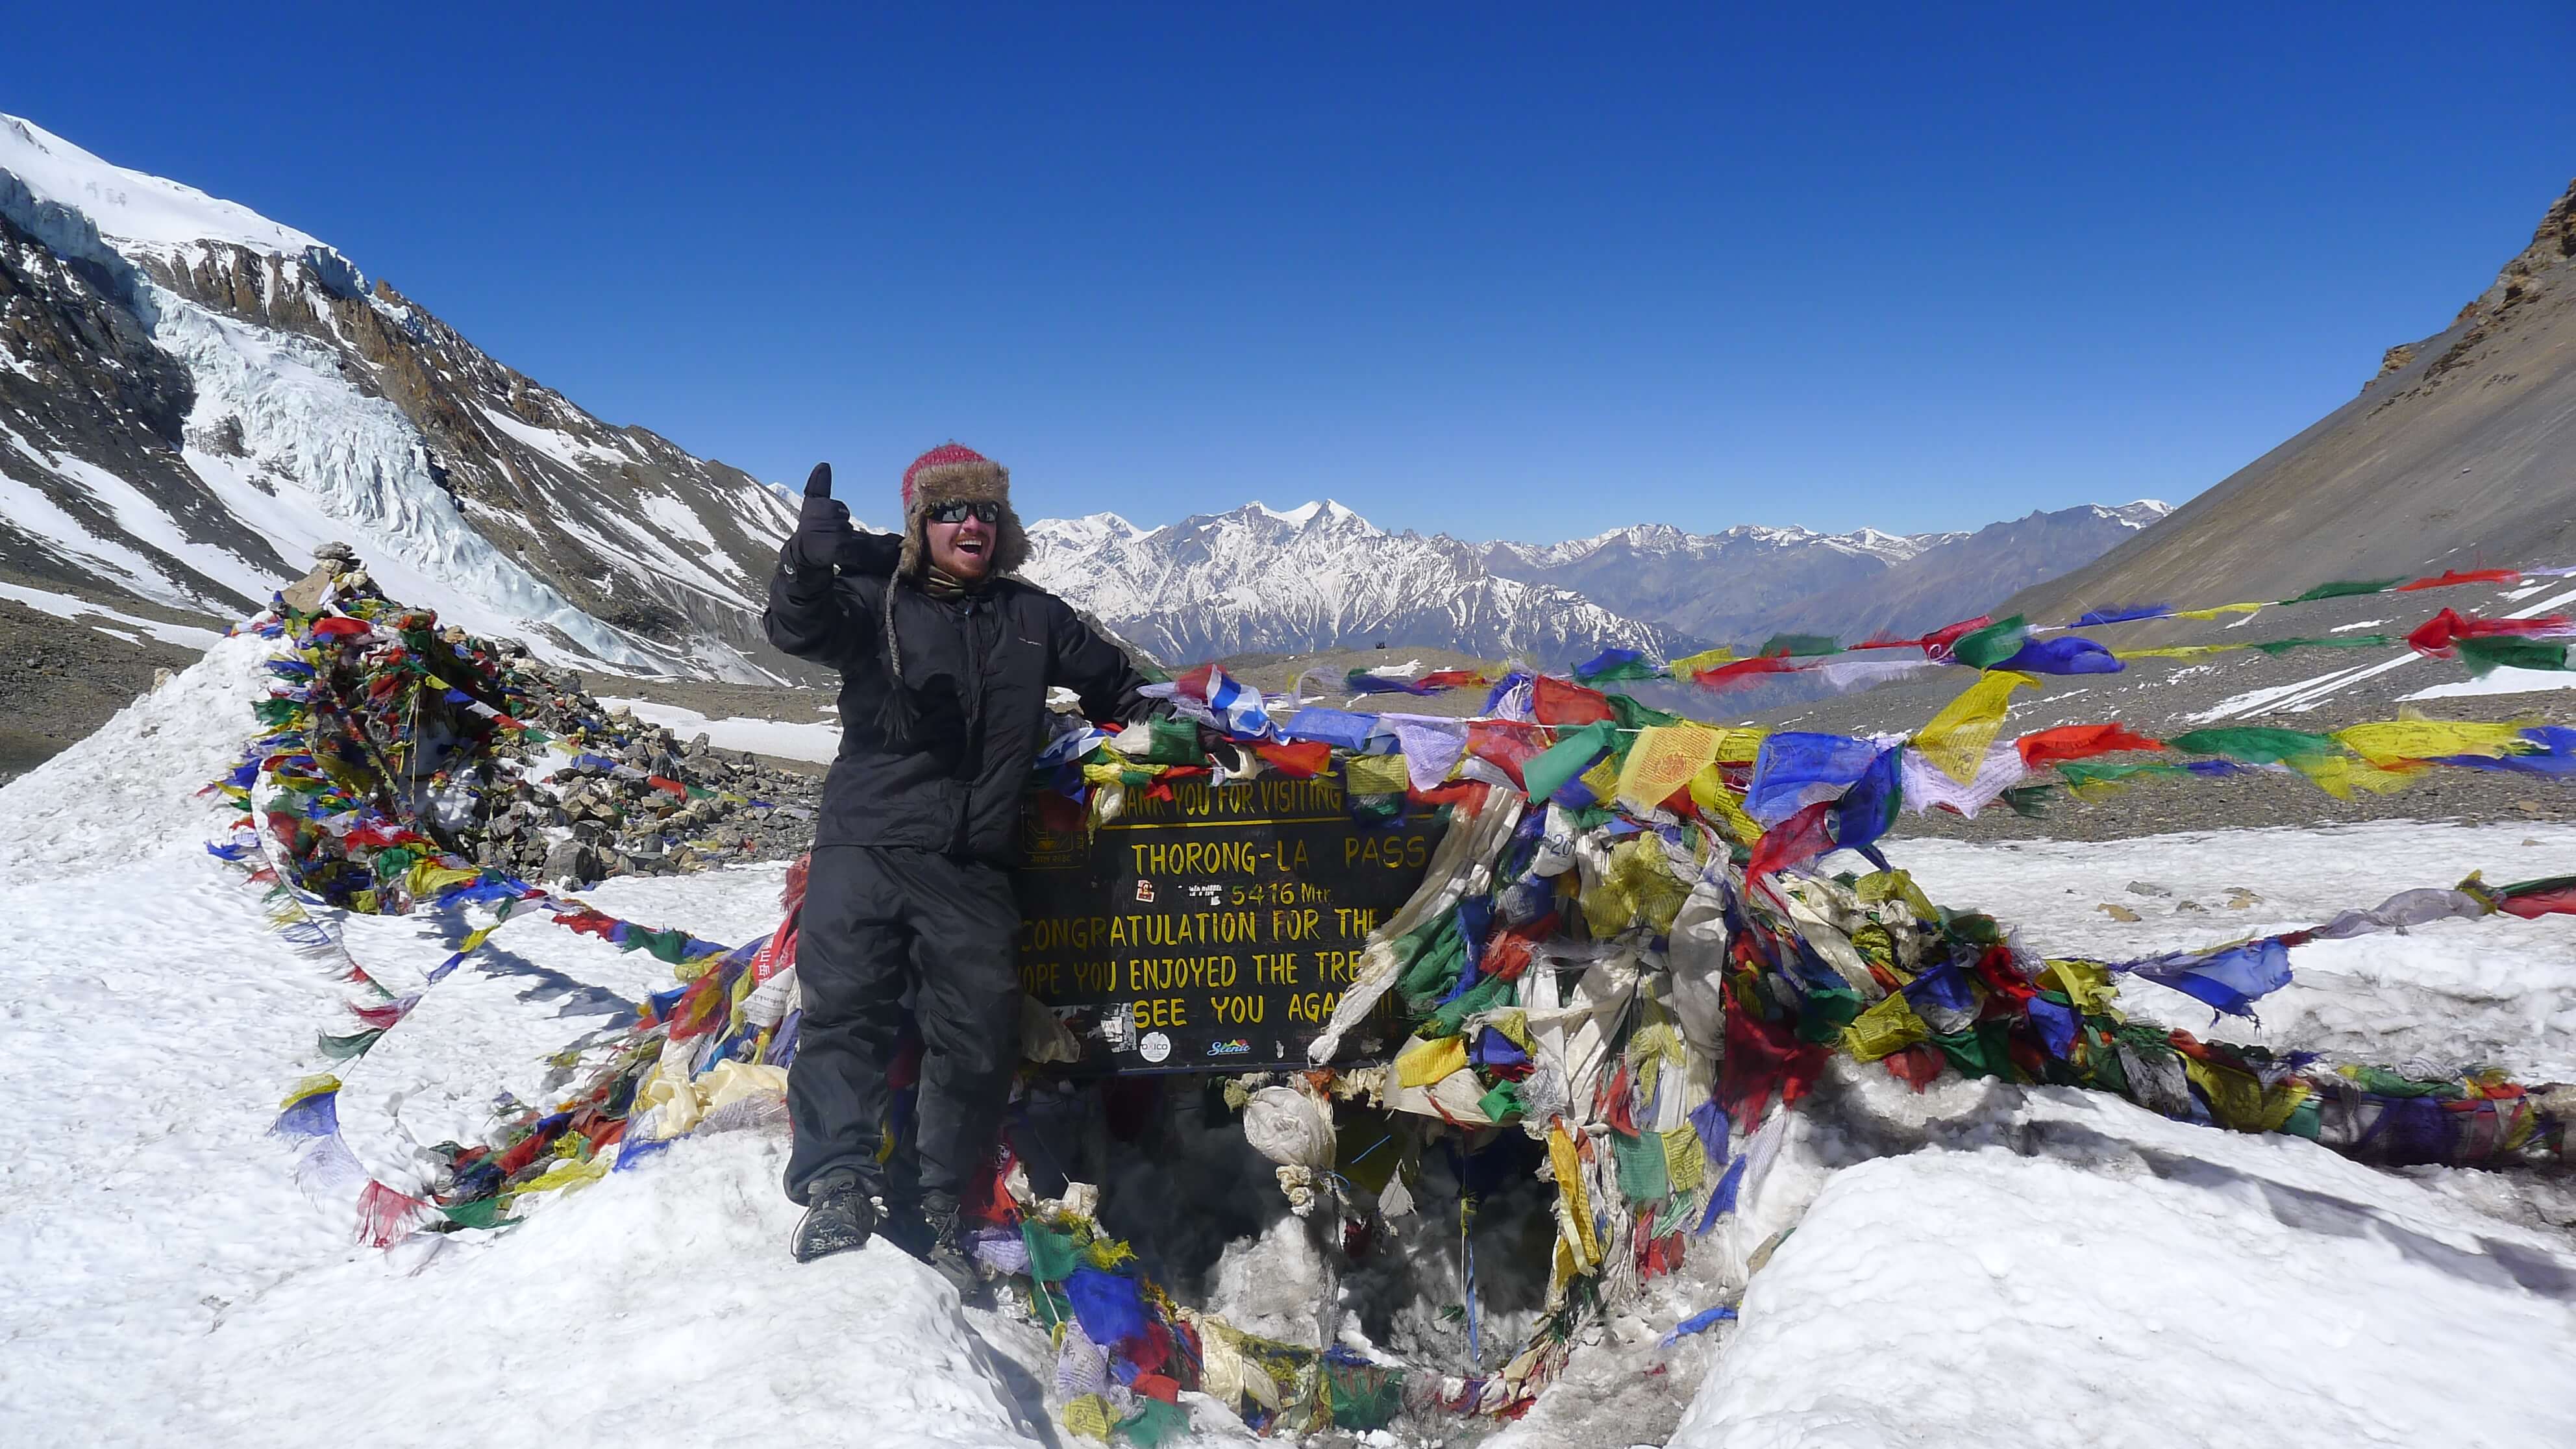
(1168, 1011)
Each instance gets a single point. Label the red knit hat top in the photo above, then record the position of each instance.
(939, 457)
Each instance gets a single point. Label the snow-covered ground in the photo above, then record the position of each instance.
(813, 740)
(1979, 1265)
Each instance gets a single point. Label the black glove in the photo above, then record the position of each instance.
(822, 526)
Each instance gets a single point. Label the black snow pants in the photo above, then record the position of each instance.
(878, 920)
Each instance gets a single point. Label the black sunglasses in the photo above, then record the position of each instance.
(956, 512)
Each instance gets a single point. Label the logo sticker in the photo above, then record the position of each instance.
(1145, 891)
(1155, 1047)
(1235, 1048)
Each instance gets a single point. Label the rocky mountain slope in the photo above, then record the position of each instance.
(192, 396)
(2455, 456)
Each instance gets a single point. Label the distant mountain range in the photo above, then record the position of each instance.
(193, 396)
(1317, 577)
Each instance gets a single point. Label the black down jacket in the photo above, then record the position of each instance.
(978, 669)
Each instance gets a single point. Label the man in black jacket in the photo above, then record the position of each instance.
(945, 662)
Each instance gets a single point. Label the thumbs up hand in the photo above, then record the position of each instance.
(821, 526)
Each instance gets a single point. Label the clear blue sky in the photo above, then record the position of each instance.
(1500, 269)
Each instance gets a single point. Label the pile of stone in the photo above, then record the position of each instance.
(601, 815)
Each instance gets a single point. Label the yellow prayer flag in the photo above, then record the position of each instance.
(1690, 664)
(1422, 1063)
(1575, 1207)
(2177, 651)
(2221, 609)
(1885, 1029)
(1740, 744)
(1089, 1417)
(2387, 742)
(2340, 775)
(1723, 807)
(1664, 759)
(1374, 775)
(2086, 983)
(1685, 1161)
(1957, 737)
(2237, 1100)
(1602, 779)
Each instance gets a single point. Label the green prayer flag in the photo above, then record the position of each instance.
(1574, 752)
(1155, 1424)
(1643, 1175)
(1439, 952)
(668, 946)
(355, 1044)
(2484, 655)
(483, 1212)
(1829, 1009)
(1502, 1104)
(1628, 714)
(1052, 1255)
(1992, 645)
(1363, 1396)
(2255, 745)
(2099, 772)
(2346, 588)
(1800, 646)
(1176, 742)
(1485, 995)
(2340, 641)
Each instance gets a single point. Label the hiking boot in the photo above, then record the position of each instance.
(947, 1255)
(906, 1228)
(838, 1218)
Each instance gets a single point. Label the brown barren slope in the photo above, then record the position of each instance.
(2460, 454)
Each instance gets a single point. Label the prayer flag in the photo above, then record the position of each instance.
(1957, 737)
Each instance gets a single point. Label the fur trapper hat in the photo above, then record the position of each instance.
(955, 473)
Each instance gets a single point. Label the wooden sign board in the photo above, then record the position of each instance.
(1215, 930)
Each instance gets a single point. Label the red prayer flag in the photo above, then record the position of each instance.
(2440, 635)
(1455, 792)
(1504, 744)
(1917, 1066)
(1562, 702)
(1794, 841)
(1760, 1057)
(2043, 748)
(1744, 671)
(1454, 679)
(1155, 1386)
(1936, 645)
(2558, 902)
(2454, 576)
(1302, 760)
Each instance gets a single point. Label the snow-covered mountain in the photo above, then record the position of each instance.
(193, 395)
(1316, 577)
(1748, 582)
(1320, 576)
